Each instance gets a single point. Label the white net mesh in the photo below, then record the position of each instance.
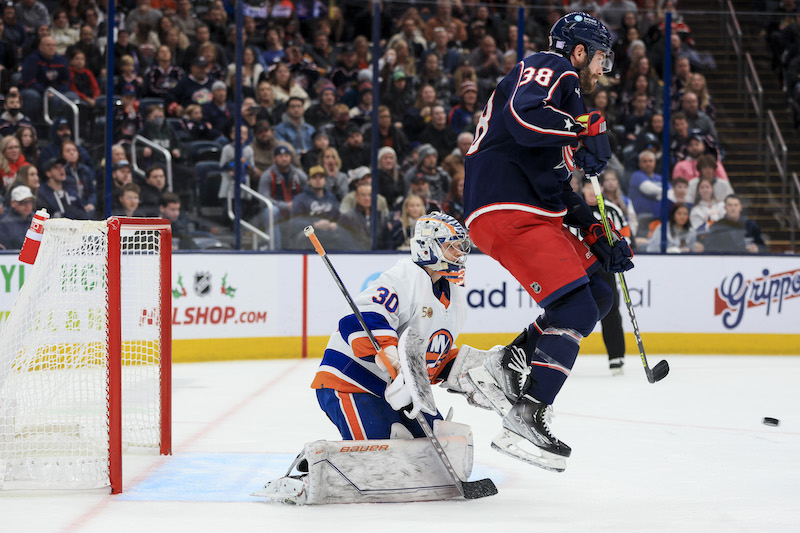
(54, 418)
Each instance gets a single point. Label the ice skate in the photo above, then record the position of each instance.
(617, 366)
(504, 375)
(526, 436)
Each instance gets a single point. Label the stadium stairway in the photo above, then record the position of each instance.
(737, 129)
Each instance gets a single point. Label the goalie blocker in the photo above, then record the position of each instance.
(399, 469)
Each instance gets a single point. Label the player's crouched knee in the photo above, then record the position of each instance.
(575, 310)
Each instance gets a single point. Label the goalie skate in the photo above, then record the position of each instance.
(289, 489)
(509, 443)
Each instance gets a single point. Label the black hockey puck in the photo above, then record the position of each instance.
(769, 421)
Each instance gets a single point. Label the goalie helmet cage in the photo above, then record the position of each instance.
(85, 355)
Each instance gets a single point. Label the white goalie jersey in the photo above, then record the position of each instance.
(401, 297)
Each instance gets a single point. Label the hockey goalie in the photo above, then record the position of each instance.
(415, 311)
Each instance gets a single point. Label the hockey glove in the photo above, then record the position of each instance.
(595, 152)
(398, 394)
(616, 258)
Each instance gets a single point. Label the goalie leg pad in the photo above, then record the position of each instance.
(391, 470)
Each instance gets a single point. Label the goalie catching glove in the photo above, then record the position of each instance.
(616, 258)
(595, 150)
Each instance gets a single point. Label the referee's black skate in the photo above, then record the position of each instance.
(526, 424)
(505, 374)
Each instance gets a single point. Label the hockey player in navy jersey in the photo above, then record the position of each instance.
(534, 131)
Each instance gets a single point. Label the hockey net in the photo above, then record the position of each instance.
(85, 355)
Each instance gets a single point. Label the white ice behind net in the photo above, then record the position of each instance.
(53, 359)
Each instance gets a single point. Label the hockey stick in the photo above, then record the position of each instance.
(660, 371)
(470, 490)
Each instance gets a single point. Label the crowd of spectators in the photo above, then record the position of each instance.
(307, 108)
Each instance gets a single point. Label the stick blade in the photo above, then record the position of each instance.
(658, 372)
(481, 488)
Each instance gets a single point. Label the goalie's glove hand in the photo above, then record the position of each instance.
(398, 394)
(595, 150)
(616, 258)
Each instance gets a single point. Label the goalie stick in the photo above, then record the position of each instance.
(469, 489)
(660, 371)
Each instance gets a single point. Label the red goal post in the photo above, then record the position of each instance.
(85, 355)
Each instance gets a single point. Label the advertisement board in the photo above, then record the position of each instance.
(229, 305)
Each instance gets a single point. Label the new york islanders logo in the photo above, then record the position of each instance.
(736, 294)
(438, 347)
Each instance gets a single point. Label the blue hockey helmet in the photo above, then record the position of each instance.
(581, 28)
(435, 234)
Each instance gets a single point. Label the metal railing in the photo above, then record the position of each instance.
(157, 147)
(729, 25)
(776, 152)
(76, 133)
(269, 237)
(754, 95)
(794, 210)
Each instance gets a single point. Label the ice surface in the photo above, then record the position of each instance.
(689, 453)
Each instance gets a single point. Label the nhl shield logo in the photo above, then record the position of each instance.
(536, 287)
(202, 283)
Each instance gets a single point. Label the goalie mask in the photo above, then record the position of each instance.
(581, 28)
(441, 243)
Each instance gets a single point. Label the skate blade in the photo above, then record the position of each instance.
(283, 490)
(508, 443)
(618, 371)
(484, 383)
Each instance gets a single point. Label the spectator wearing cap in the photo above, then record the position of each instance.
(162, 76)
(447, 55)
(356, 177)
(127, 118)
(388, 134)
(345, 73)
(61, 130)
(399, 96)
(192, 89)
(219, 110)
(421, 186)
(294, 129)
(318, 207)
(284, 86)
(32, 14)
(360, 113)
(427, 168)
(281, 183)
(438, 134)
(14, 33)
(15, 221)
(312, 157)
(354, 153)
(42, 69)
(698, 120)
(477, 31)
(321, 113)
(460, 117)
(264, 145)
(59, 200)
